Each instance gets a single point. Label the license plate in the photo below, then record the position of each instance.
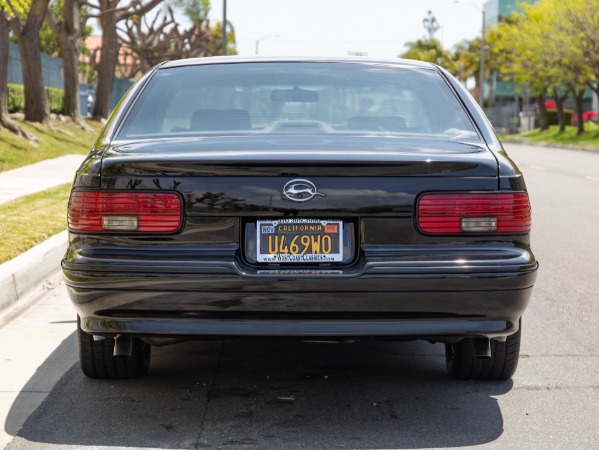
(299, 240)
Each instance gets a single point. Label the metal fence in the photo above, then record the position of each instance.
(52, 68)
(505, 118)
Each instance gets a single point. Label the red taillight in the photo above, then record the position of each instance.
(474, 213)
(146, 212)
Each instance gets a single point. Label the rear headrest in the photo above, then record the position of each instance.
(374, 123)
(220, 120)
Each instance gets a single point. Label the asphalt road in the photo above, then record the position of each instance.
(362, 395)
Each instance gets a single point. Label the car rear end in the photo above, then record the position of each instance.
(299, 199)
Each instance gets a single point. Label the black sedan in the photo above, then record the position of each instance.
(299, 198)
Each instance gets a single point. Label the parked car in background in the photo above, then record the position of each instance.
(307, 198)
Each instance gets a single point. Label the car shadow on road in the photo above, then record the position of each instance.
(284, 394)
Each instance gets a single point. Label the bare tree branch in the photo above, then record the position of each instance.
(51, 21)
(151, 40)
(137, 9)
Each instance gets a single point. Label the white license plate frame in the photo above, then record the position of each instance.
(314, 249)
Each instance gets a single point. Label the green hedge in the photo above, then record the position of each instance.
(16, 99)
(552, 116)
(55, 99)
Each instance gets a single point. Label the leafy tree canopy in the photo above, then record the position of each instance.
(430, 50)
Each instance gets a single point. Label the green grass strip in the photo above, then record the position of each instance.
(30, 220)
(590, 138)
(17, 152)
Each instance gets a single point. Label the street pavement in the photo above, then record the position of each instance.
(370, 394)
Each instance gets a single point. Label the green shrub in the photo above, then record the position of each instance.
(55, 99)
(16, 99)
(552, 116)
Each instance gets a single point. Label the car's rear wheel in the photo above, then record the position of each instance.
(462, 364)
(97, 361)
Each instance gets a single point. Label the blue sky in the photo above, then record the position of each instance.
(379, 28)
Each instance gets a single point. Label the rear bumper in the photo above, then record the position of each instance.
(385, 296)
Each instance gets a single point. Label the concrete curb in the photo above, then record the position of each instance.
(20, 275)
(520, 141)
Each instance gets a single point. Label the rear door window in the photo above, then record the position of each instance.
(281, 97)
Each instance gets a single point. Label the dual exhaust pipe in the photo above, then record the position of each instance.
(482, 348)
(123, 346)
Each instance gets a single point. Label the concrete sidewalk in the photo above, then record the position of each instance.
(38, 345)
(28, 310)
(38, 177)
(30, 270)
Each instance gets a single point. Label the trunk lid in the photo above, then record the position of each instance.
(299, 156)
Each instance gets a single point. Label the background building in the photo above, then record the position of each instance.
(497, 91)
(497, 10)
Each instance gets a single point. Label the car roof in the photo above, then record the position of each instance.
(270, 59)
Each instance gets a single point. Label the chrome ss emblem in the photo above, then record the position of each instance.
(300, 190)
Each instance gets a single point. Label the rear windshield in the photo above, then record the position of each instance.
(292, 98)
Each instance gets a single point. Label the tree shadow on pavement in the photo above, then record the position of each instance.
(284, 394)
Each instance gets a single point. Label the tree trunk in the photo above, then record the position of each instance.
(579, 97)
(69, 42)
(5, 121)
(68, 30)
(559, 104)
(70, 52)
(110, 15)
(106, 67)
(36, 103)
(543, 122)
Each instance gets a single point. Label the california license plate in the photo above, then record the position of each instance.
(299, 240)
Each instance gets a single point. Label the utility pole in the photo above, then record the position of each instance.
(224, 27)
(262, 38)
(481, 75)
(481, 93)
(430, 24)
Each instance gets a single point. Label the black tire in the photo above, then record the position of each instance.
(96, 360)
(462, 364)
